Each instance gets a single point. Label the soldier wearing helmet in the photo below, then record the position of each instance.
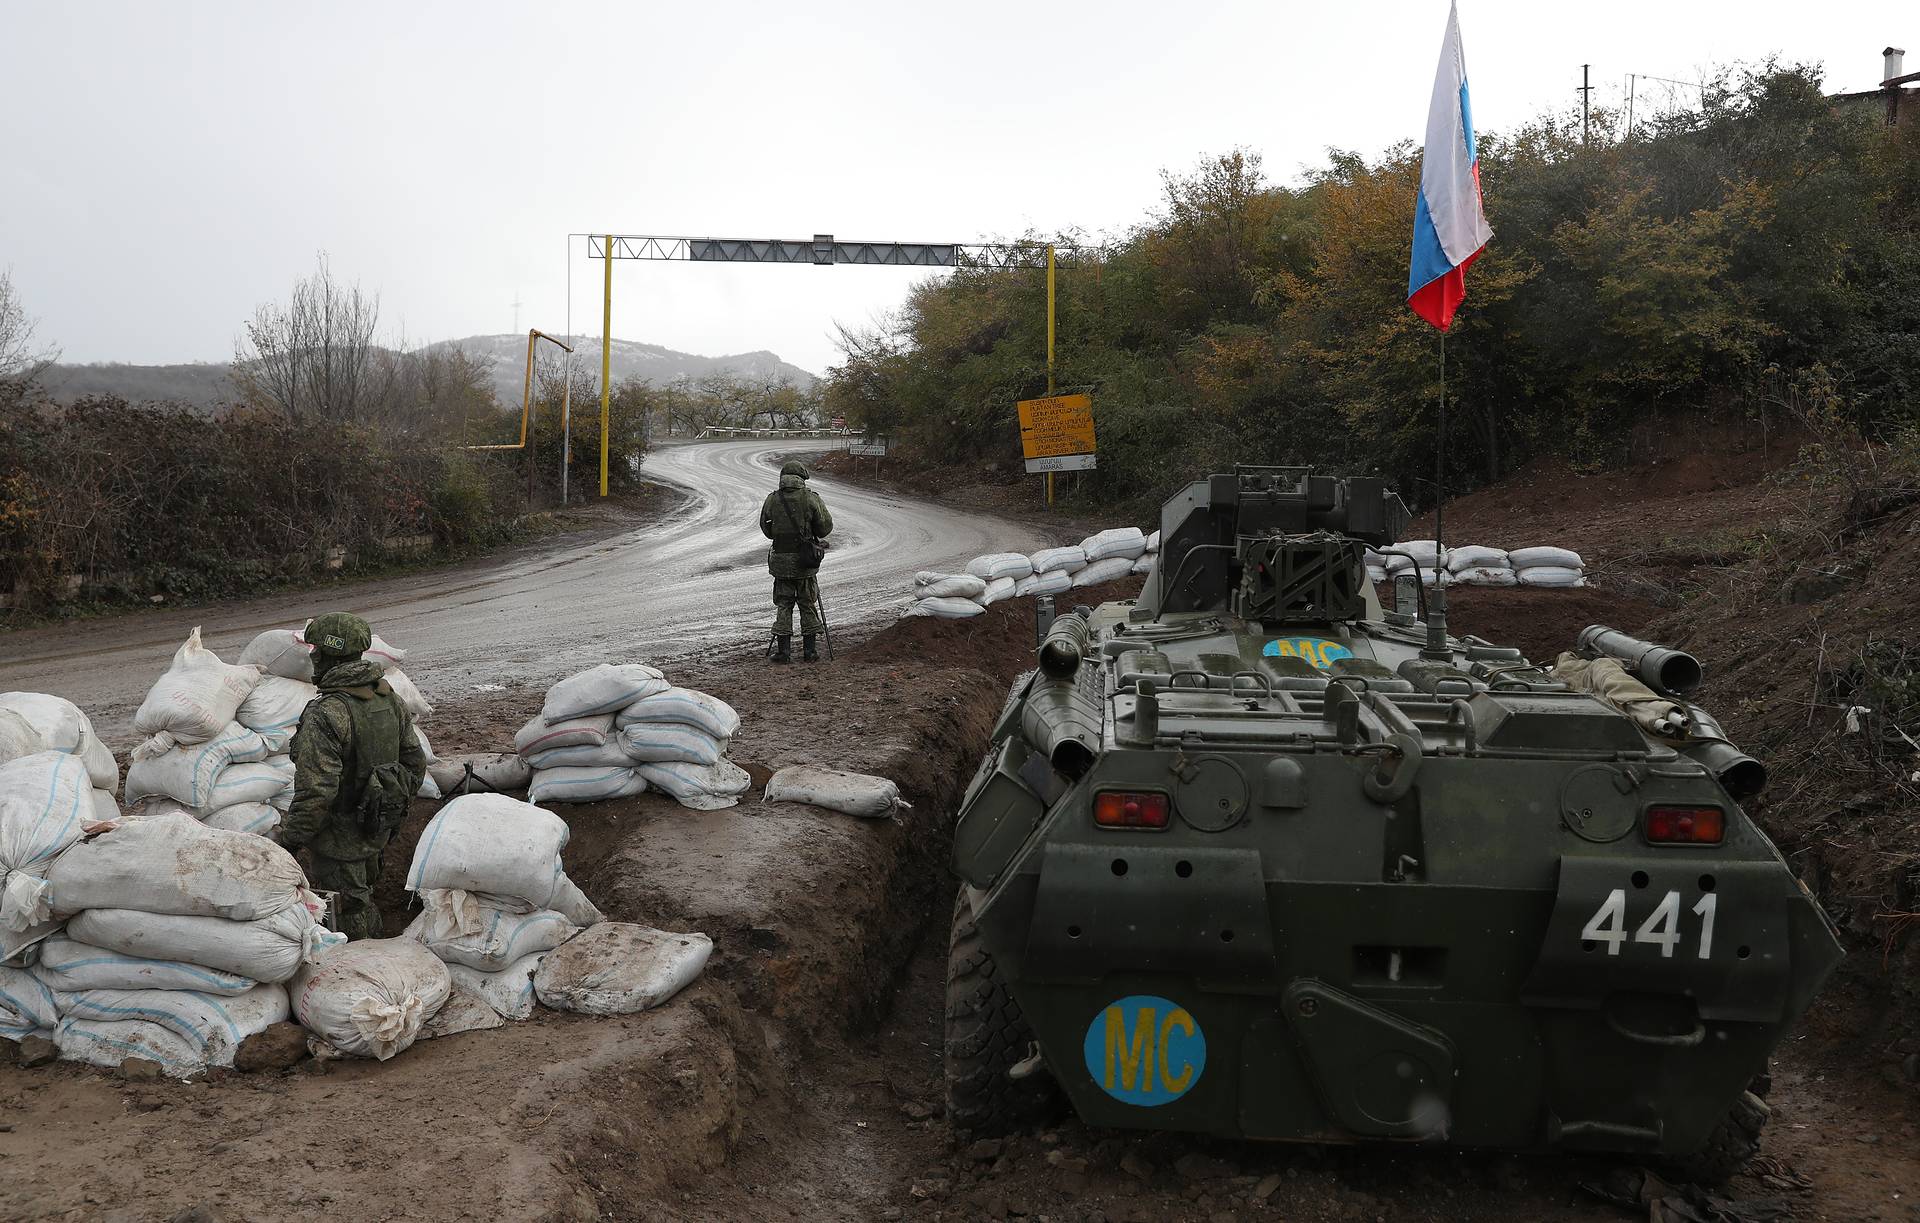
(357, 762)
(796, 520)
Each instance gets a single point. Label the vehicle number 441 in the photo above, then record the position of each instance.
(1608, 924)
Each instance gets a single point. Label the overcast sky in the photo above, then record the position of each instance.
(169, 165)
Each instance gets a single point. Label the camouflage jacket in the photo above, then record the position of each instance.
(787, 517)
(354, 726)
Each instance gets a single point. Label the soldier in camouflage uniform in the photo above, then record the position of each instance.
(357, 763)
(797, 522)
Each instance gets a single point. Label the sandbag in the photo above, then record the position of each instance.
(69, 966)
(1376, 573)
(662, 742)
(1056, 582)
(1396, 563)
(1143, 565)
(1560, 558)
(281, 652)
(60, 726)
(539, 735)
(463, 1011)
(369, 998)
(616, 968)
(491, 771)
(835, 789)
(584, 785)
(998, 589)
(46, 799)
(104, 807)
(410, 696)
(197, 696)
(187, 773)
(268, 949)
(263, 781)
(1153, 541)
(1551, 575)
(1067, 559)
(1500, 576)
(501, 851)
(428, 789)
(104, 1027)
(608, 755)
(274, 707)
(1000, 565)
(1117, 543)
(27, 1005)
(944, 609)
(494, 942)
(257, 818)
(699, 787)
(1106, 570)
(1421, 551)
(509, 992)
(606, 688)
(950, 586)
(173, 864)
(1473, 556)
(18, 737)
(686, 706)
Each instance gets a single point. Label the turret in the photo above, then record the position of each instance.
(1272, 545)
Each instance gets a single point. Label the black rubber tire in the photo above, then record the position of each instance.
(1733, 1142)
(986, 1036)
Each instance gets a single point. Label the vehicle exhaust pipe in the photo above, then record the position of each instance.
(1065, 645)
(1739, 774)
(1061, 722)
(1659, 667)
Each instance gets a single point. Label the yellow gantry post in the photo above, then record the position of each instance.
(1049, 350)
(606, 359)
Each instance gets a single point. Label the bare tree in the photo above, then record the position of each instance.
(21, 363)
(314, 358)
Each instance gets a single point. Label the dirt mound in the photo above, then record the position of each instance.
(1541, 622)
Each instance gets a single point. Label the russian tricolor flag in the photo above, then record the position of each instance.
(1449, 227)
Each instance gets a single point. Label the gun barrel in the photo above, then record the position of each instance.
(1658, 666)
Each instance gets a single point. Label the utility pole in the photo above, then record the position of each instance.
(516, 315)
(1586, 96)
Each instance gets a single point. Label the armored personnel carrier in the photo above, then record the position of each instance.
(1254, 856)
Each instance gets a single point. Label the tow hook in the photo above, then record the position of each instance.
(1392, 775)
(1033, 1063)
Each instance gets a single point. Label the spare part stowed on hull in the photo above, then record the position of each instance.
(1242, 861)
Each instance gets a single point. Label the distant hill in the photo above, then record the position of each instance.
(204, 384)
(506, 355)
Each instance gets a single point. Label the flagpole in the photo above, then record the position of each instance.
(1437, 649)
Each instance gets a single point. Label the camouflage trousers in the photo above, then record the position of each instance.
(788, 593)
(355, 914)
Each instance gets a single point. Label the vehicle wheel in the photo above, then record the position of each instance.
(986, 1036)
(1733, 1142)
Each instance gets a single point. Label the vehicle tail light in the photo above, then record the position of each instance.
(1685, 825)
(1126, 809)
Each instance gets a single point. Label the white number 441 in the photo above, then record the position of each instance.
(1662, 928)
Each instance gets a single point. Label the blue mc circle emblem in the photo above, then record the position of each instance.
(1145, 1050)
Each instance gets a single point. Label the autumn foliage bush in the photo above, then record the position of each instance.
(118, 502)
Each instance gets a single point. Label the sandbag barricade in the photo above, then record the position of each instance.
(619, 730)
(1104, 556)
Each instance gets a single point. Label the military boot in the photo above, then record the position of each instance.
(783, 651)
(809, 652)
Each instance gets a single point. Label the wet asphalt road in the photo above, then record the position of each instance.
(692, 582)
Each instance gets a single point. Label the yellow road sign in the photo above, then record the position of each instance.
(1056, 431)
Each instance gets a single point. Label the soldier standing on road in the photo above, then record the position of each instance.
(357, 763)
(797, 522)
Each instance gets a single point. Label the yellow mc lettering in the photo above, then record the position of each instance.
(1133, 1054)
(1176, 1018)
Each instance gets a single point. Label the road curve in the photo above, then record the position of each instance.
(693, 582)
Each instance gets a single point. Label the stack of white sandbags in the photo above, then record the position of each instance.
(1474, 565)
(287, 661)
(34, 722)
(178, 938)
(495, 896)
(1101, 557)
(45, 806)
(1545, 565)
(1409, 553)
(199, 756)
(623, 729)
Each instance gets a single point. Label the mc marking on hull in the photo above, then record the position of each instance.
(1145, 1050)
(1317, 651)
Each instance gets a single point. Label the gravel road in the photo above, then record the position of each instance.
(693, 582)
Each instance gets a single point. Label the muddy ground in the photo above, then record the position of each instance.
(801, 1077)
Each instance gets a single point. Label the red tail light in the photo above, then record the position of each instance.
(1125, 809)
(1685, 825)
